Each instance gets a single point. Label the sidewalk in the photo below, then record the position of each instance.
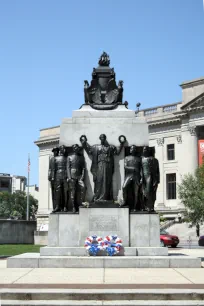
(186, 278)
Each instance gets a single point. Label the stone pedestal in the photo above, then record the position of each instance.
(136, 230)
(103, 222)
(144, 230)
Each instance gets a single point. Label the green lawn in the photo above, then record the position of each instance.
(16, 249)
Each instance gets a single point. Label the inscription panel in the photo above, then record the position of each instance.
(103, 223)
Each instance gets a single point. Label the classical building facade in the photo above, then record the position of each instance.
(175, 130)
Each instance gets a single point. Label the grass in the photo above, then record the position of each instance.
(16, 249)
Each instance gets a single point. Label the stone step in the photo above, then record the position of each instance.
(34, 260)
(101, 303)
(81, 251)
(106, 296)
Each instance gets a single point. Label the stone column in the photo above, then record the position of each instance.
(159, 150)
(188, 157)
(45, 199)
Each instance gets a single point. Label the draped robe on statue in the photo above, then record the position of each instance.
(102, 169)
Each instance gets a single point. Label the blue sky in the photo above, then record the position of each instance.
(47, 49)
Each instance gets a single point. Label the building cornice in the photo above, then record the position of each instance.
(48, 141)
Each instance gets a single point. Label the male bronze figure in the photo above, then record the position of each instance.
(51, 174)
(75, 177)
(102, 166)
(131, 186)
(60, 180)
(150, 179)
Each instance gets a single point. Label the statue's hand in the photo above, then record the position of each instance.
(83, 139)
(122, 140)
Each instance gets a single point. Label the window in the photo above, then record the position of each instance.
(170, 152)
(171, 186)
(5, 183)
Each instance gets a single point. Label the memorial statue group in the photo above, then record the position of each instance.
(67, 176)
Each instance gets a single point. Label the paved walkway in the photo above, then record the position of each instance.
(95, 276)
(124, 278)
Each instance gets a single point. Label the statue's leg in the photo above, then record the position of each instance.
(53, 195)
(65, 191)
(72, 186)
(58, 196)
(125, 188)
(136, 195)
(82, 191)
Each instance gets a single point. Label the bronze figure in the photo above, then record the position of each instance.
(150, 179)
(131, 186)
(60, 180)
(102, 166)
(51, 174)
(75, 177)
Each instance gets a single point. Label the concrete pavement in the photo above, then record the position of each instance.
(100, 276)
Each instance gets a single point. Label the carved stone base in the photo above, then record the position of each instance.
(136, 230)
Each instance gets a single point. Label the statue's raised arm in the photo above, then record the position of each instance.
(85, 145)
(122, 140)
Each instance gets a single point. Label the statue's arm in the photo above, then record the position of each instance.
(158, 173)
(126, 165)
(83, 170)
(49, 170)
(117, 150)
(68, 168)
(88, 148)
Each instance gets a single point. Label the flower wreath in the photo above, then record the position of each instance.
(94, 244)
(112, 244)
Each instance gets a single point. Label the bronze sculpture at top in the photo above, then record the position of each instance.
(103, 93)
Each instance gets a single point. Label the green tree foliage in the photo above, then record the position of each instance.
(191, 193)
(15, 205)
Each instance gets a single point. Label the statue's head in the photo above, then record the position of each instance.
(133, 150)
(62, 150)
(76, 148)
(146, 151)
(55, 151)
(102, 138)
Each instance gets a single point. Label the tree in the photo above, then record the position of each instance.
(15, 205)
(191, 193)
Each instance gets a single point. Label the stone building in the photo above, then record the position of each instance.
(12, 183)
(175, 130)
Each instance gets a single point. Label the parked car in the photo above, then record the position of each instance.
(201, 241)
(168, 240)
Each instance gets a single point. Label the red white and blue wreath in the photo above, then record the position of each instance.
(94, 244)
(112, 245)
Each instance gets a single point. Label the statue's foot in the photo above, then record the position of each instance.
(73, 209)
(57, 209)
(65, 209)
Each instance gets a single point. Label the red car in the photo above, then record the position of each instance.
(168, 240)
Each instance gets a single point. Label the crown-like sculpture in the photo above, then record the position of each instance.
(103, 93)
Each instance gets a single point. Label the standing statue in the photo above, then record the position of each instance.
(150, 179)
(131, 186)
(102, 166)
(75, 177)
(60, 180)
(51, 174)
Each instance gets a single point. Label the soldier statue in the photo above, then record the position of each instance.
(51, 174)
(59, 176)
(75, 177)
(102, 166)
(150, 179)
(133, 168)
